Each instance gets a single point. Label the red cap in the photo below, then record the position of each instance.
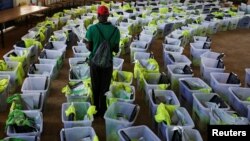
(103, 10)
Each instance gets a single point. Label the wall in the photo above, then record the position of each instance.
(21, 2)
(6, 4)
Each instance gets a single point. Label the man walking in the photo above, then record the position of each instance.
(101, 76)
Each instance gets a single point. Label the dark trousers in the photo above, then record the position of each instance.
(100, 81)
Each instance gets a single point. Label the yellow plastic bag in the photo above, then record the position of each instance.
(3, 65)
(3, 84)
(91, 111)
(71, 110)
(20, 74)
(164, 113)
(29, 42)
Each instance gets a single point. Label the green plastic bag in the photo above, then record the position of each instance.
(16, 102)
(19, 118)
(13, 139)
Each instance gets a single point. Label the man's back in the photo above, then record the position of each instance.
(94, 35)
